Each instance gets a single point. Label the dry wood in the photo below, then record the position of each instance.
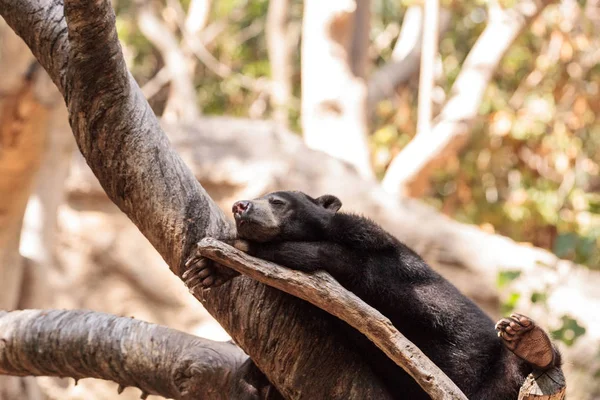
(321, 290)
(549, 385)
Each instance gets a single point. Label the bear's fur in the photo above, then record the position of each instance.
(307, 234)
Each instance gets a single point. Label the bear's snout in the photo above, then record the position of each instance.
(241, 207)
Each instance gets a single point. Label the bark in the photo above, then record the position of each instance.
(406, 56)
(409, 171)
(323, 291)
(334, 116)
(142, 174)
(86, 344)
(280, 51)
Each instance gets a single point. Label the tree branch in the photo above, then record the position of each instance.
(128, 152)
(410, 169)
(426, 75)
(181, 104)
(321, 290)
(333, 98)
(280, 57)
(86, 344)
(405, 57)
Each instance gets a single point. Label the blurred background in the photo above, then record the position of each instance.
(467, 129)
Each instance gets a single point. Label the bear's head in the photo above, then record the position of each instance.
(284, 216)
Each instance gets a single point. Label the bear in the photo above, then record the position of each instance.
(300, 232)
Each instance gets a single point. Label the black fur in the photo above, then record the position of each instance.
(449, 328)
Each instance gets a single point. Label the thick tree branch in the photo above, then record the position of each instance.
(128, 152)
(86, 344)
(411, 168)
(321, 290)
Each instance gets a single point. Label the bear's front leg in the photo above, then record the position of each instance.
(206, 273)
(307, 256)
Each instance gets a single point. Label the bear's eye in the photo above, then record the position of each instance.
(276, 202)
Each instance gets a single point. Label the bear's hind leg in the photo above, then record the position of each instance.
(528, 341)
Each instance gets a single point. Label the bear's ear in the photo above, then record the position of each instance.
(329, 202)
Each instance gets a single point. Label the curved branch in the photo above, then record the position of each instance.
(128, 152)
(321, 290)
(86, 344)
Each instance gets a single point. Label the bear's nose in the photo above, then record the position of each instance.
(241, 207)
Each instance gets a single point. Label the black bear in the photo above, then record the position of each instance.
(297, 231)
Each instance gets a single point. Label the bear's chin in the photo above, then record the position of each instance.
(249, 230)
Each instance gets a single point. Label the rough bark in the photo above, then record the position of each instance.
(86, 344)
(136, 166)
(334, 116)
(323, 291)
(409, 171)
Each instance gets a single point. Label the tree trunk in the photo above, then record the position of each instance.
(428, 56)
(126, 149)
(280, 51)
(334, 118)
(25, 109)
